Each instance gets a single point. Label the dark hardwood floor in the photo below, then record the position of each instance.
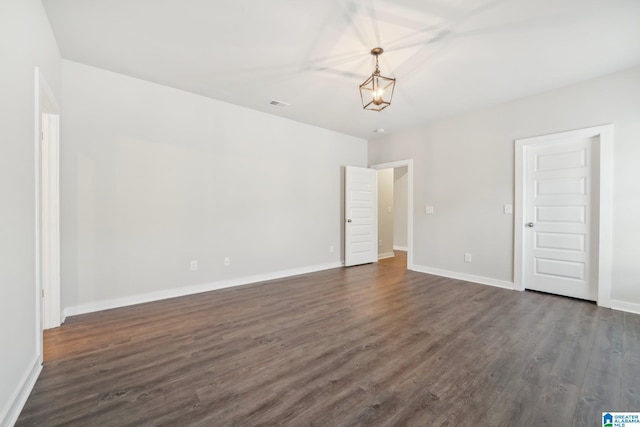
(367, 345)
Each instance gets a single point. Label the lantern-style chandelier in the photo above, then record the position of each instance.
(376, 92)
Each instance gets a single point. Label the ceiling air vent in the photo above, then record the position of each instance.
(278, 104)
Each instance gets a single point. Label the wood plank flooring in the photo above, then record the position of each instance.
(367, 345)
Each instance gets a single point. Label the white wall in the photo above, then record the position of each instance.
(385, 213)
(153, 177)
(400, 203)
(26, 41)
(464, 168)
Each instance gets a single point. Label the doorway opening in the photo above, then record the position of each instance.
(47, 167)
(395, 211)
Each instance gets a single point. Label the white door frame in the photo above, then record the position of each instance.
(47, 227)
(409, 164)
(604, 174)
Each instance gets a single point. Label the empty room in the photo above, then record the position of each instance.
(329, 213)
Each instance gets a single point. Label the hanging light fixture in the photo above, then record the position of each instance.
(376, 92)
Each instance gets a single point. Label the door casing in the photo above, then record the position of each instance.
(602, 255)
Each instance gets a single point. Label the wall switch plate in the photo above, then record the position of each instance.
(467, 257)
(379, 242)
(428, 210)
(331, 249)
(227, 261)
(194, 265)
(508, 209)
(389, 209)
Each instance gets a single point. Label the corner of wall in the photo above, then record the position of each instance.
(14, 406)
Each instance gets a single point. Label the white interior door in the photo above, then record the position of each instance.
(560, 192)
(50, 222)
(361, 224)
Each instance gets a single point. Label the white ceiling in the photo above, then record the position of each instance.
(448, 56)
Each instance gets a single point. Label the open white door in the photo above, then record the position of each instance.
(361, 211)
(50, 225)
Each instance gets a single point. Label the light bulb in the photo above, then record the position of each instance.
(377, 96)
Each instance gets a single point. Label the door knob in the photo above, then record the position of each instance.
(529, 224)
(348, 220)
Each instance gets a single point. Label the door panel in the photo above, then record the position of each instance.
(559, 220)
(561, 241)
(361, 232)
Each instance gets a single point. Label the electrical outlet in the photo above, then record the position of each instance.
(194, 265)
(227, 261)
(331, 249)
(379, 242)
(467, 257)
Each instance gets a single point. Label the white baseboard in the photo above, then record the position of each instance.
(190, 290)
(463, 276)
(400, 248)
(386, 255)
(629, 307)
(12, 409)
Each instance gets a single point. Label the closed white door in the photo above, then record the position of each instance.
(361, 225)
(560, 192)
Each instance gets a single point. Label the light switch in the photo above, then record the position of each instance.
(508, 209)
(428, 210)
(389, 209)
